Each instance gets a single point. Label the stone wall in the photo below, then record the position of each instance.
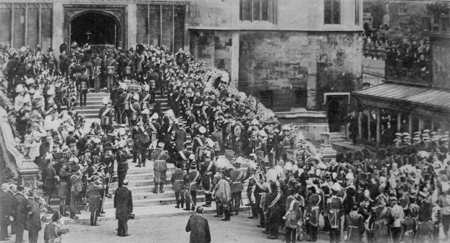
(285, 63)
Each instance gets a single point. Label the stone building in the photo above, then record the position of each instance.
(274, 49)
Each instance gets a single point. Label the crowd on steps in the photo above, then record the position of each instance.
(222, 142)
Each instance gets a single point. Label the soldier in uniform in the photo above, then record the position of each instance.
(334, 205)
(106, 115)
(206, 172)
(159, 156)
(191, 180)
(123, 203)
(444, 203)
(222, 192)
(76, 187)
(312, 214)
(94, 196)
(63, 188)
(355, 225)
(122, 162)
(237, 177)
(178, 187)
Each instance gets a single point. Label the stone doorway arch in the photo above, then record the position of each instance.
(115, 15)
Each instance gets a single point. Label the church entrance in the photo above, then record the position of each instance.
(95, 28)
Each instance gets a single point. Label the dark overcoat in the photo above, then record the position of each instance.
(123, 203)
(199, 228)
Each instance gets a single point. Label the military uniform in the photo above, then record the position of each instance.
(334, 205)
(94, 196)
(178, 187)
(355, 226)
(159, 157)
(237, 177)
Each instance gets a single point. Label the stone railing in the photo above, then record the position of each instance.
(19, 167)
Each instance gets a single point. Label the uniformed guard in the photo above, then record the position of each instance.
(106, 115)
(122, 162)
(237, 177)
(334, 205)
(206, 171)
(178, 187)
(159, 156)
(312, 214)
(94, 196)
(355, 225)
(192, 180)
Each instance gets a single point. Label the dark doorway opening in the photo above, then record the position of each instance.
(337, 113)
(95, 28)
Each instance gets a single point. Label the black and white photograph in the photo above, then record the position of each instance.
(224, 121)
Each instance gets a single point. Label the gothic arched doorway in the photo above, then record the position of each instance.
(95, 28)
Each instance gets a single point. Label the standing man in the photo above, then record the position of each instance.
(94, 196)
(33, 223)
(177, 182)
(160, 157)
(106, 115)
(123, 203)
(21, 212)
(334, 205)
(223, 195)
(6, 209)
(199, 228)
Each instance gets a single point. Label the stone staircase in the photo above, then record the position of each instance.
(141, 184)
(94, 102)
(338, 137)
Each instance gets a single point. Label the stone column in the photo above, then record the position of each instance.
(410, 124)
(235, 59)
(420, 124)
(378, 137)
(131, 25)
(399, 122)
(360, 125)
(58, 26)
(369, 134)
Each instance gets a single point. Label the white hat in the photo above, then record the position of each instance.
(202, 130)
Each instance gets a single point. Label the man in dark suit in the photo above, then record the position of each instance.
(123, 203)
(6, 209)
(199, 228)
(33, 223)
(21, 212)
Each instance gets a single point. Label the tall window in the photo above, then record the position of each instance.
(332, 11)
(357, 11)
(258, 10)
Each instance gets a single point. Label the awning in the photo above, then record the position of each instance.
(421, 96)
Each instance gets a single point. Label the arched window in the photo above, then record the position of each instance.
(332, 11)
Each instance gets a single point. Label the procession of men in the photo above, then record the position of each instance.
(222, 144)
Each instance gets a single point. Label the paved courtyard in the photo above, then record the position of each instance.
(166, 229)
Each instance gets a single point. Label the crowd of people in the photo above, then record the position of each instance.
(405, 57)
(222, 143)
